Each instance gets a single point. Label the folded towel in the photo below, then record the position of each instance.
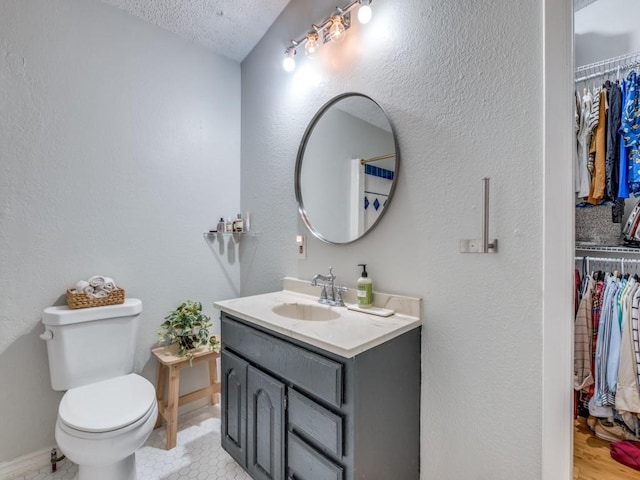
(96, 281)
(83, 287)
(109, 284)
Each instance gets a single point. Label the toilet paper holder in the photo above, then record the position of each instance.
(483, 245)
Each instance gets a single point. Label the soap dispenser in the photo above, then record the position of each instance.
(365, 288)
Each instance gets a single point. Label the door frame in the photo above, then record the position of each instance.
(558, 241)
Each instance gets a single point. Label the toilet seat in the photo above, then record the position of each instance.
(107, 408)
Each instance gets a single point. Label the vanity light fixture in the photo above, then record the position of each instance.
(337, 29)
(311, 44)
(364, 12)
(331, 29)
(289, 63)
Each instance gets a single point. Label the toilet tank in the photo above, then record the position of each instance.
(88, 345)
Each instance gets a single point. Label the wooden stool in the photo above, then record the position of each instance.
(168, 360)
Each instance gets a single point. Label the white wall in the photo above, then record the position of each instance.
(605, 29)
(119, 146)
(461, 82)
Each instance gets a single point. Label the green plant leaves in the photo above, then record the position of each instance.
(188, 327)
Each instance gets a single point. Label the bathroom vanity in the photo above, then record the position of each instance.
(316, 392)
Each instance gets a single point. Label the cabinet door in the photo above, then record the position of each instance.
(234, 406)
(265, 426)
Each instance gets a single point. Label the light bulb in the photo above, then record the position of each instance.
(311, 45)
(364, 13)
(336, 32)
(289, 64)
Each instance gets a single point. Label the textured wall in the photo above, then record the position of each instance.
(119, 146)
(461, 83)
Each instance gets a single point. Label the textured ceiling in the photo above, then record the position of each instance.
(228, 27)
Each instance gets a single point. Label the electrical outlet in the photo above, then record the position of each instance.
(301, 247)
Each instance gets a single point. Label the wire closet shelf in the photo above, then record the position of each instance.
(621, 262)
(618, 65)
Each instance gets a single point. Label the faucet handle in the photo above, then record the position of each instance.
(323, 293)
(331, 275)
(338, 299)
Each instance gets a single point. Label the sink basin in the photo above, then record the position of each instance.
(305, 311)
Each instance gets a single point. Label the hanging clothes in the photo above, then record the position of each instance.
(606, 349)
(615, 337)
(627, 393)
(599, 145)
(635, 320)
(623, 186)
(612, 160)
(630, 130)
(594, 120)
(583, 177)
(604, 396)
(582, 361)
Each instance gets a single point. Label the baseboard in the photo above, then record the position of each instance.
(21, 465)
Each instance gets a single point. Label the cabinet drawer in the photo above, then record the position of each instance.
(305, 463)
(315, 423)
(311, 372)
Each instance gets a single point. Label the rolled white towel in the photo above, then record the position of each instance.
(96, 281)
(83, 287)
(99, 294)
(109, 284)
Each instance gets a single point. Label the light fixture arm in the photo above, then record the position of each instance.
(325, 24)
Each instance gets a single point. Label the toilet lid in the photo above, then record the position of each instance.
(108, 405)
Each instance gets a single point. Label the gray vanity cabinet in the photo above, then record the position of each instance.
(297, 412)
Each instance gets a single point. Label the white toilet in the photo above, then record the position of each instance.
(108, 412)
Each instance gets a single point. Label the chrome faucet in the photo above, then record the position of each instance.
(332, 296)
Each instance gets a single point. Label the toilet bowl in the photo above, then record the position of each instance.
(101, 425)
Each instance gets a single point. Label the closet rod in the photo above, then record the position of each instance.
(621, 261)
(610, 65)
(608, 260)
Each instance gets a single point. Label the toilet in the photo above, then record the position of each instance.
(107, 412)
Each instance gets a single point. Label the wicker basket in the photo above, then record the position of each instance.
(82, 300)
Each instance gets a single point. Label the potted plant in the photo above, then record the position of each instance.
(188, 327)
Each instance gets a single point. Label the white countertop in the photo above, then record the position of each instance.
(352, 333)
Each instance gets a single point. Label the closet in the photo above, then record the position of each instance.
(607, 275)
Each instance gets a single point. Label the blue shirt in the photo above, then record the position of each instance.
(623, 186)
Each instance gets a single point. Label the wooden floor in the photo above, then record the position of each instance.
(592, 459)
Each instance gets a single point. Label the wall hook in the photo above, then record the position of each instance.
(483, 245)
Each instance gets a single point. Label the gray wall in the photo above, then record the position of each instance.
(605, 29)
(119, 146)
(461, 83)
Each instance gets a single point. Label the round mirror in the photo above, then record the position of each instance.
(346, 168)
